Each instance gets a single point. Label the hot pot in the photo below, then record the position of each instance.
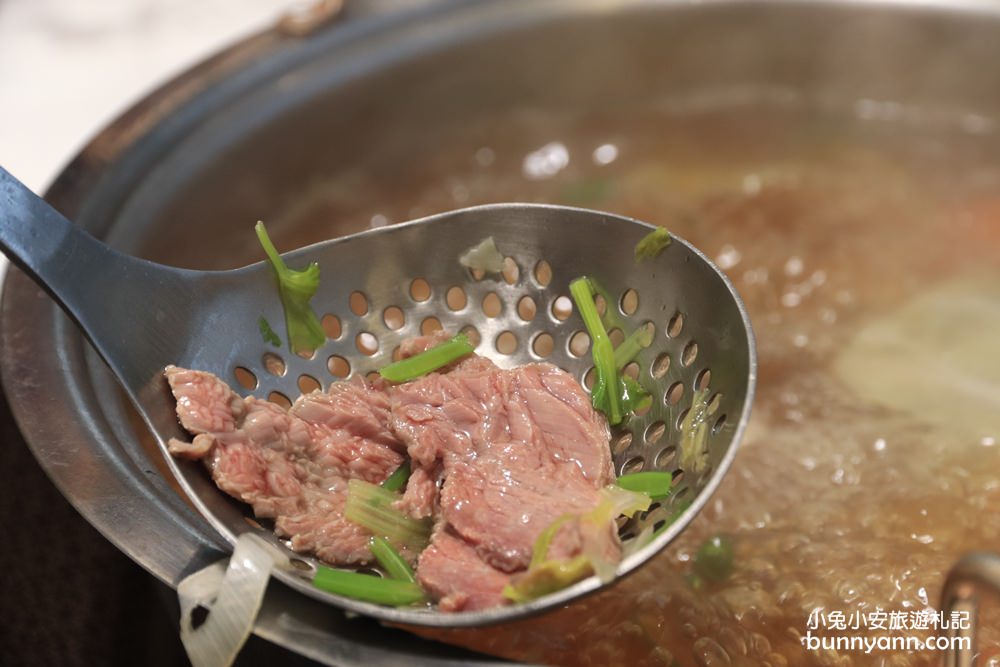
(344, 117)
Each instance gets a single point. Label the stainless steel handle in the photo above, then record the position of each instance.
(118, 300)
(969, 577)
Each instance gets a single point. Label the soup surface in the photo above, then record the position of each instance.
(866, 244)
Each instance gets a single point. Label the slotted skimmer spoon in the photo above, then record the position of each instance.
(382, 286)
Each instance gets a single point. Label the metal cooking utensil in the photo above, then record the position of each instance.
(382, 286)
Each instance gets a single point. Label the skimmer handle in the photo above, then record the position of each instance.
(119, 301)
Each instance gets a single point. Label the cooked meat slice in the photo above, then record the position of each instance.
(421, 494)
(558, 413)
(502, 499)
(517, 449)
(496, 455)
(459, 413)
(451, 571)
(292, 465)
(193, 450)
(205, 404)
(350, 406)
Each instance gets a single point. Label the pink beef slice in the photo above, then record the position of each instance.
(458, 414)
(420, 497)
(452, 571)
(291, 466)
(517, 449)
(502, 499)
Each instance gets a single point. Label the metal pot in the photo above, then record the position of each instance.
(272, 127)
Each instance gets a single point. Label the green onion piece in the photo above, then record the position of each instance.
(617, 501)
(397, 480)
(652, 244)
(609, 318)
(370, 507)
(656, 485)
(547, 577)
(267, 333)
(605, 395)
(390, 560)
(305, 333)
(634, 395)
(714, 559)
(635, 342)
(429, 360)
(694, 433)
(367, 587)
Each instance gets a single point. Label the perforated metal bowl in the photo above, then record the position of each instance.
(379, 288)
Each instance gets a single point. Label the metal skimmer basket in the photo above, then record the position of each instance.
(398, 283)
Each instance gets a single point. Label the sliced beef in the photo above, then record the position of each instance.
(516, 449)
(420, 498)
(496, 456)
(452, 571)
(291, 466)
(457, 414)
(502, 499)
(205, 404)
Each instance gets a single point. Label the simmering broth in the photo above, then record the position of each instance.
(850, 233)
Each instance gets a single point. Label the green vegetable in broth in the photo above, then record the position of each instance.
(714, 559)
(305, 333)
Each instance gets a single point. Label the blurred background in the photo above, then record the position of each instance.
(68, 67)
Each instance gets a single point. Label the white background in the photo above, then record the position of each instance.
(68, 67)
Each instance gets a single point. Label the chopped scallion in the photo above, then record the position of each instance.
(652, 244)
(390, 560)
(367, 587)
(606, 392)
(371, 507)
(714, 558)
(654, 484)
(634, 343)
(267, 333)
(296, 288)
(397, 480)
(694, 434)
(634, 395)
(547, 577)
(429, 360)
